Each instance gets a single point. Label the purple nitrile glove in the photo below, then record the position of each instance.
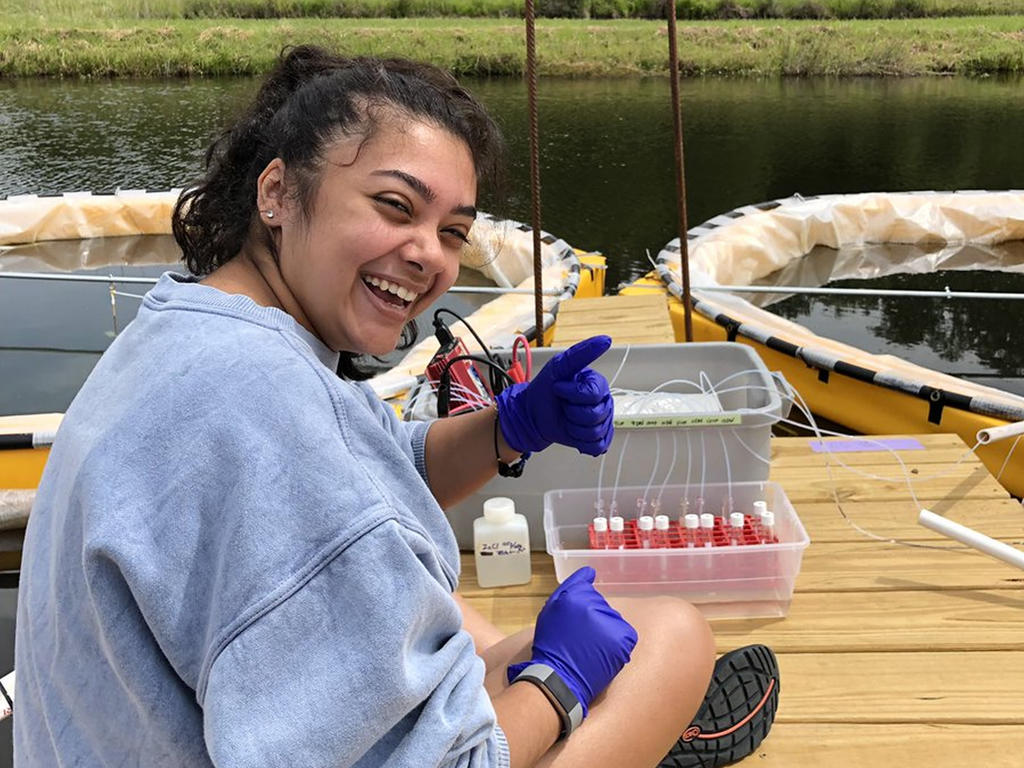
(581, 637)
(566, 403)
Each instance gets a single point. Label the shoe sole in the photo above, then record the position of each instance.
(737, 712)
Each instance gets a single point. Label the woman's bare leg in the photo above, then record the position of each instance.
(648, 705)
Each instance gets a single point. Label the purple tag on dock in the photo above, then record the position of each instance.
(876, 444)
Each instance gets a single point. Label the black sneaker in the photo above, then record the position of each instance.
(737, 712)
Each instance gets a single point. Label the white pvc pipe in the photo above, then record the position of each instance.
(971, 538)
(990, 435)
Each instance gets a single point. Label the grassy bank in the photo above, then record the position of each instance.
(186, 47)
(573, 9)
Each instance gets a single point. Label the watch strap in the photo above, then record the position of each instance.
(515, 469)
(569, 708)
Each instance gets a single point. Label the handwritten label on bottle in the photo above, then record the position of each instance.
(502, 548)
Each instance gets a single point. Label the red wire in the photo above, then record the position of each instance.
(516, 371)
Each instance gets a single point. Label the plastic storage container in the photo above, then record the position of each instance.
(749, 580)
(720, 439)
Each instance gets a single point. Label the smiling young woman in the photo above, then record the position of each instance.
(238, 556)
(380, 240)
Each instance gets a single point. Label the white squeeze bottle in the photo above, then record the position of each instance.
(501, 545)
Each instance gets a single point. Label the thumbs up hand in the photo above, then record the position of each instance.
(566, 403)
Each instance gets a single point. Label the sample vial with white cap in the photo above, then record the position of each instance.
(501, 545)
(600, 532)
(691, 524)
(645, 530)
(707, 529)
(736, 521)
(660, 540)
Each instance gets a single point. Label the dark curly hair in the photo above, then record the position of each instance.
(312, 98)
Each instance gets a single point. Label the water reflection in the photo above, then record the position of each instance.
(53, 332)
(971, 338)
(606, 157)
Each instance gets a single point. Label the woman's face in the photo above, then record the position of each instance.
(383, 237)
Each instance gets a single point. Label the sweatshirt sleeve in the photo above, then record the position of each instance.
(411, 435)
(361, 661)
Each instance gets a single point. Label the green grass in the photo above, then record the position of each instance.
(596, 9)
(191, 47)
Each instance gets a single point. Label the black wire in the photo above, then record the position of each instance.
(469, 327)
(495, 382)
(494, 365)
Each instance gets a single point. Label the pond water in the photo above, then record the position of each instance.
(607, 184)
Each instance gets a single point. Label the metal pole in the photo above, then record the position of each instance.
(531, 102)
(77, 278)
(863, 292)
(485, 289)
(677, 123)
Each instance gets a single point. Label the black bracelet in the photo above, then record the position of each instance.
(568, 707)
(515, 469)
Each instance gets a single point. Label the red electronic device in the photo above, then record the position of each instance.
(454, 377)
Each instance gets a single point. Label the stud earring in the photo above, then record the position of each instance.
(269, 214)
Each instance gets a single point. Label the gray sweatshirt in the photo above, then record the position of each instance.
(234, 559)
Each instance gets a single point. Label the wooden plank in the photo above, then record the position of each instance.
(876, 566)
(998, 518)
(841, 745)
(956, 688)
(627, 319)
(860, 621)
(941, 450)
(976, 620)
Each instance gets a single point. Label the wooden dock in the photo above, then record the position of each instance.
(890, 654)
(642, 319)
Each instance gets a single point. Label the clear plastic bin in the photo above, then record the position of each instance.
(730, 581)
(730, 442)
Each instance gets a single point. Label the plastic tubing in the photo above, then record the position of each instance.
(994, 433)
(672, 466)
(1009, 454)
(728, 469)
(600, 476)
(654, 469)
(618, 471)
(703, 464)
(689, 467)
(663, 384)
(619, 369)
(991, 434)
(971, 538)
(801, 405)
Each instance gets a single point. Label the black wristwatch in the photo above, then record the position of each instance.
(515, 469)
(569, 708)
